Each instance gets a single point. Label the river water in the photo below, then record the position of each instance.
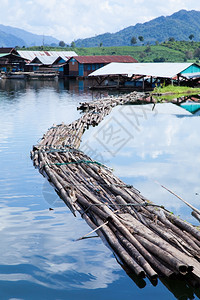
(39, 257)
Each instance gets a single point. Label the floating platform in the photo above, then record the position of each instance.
(29, 75)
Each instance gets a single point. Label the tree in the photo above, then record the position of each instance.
(61, 44)
(133, 40)
(159, 59)
(73, 45)
(191, 36)
(197, 53)
(171, 39)
(140, 38)
(189, 55)
(147, 49)
(101, 44)
(142, 55)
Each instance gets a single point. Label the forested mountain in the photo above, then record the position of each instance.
(178, 26)
(11, 37)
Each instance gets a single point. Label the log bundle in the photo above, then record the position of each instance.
(145, 237)
(131, 98)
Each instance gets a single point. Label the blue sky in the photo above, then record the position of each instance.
(72, 19)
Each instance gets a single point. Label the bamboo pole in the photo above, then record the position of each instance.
(184, 201)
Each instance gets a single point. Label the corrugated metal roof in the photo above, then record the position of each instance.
(98, 59)
(30, 55)
(4, 54)
(163, 70)
(11, 55)
(45, 60)
(6, 49)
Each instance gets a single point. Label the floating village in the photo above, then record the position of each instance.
(146, 238)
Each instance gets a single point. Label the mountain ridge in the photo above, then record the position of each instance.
(179, 25)
(13, 36)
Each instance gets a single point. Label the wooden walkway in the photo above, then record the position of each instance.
(148, 239)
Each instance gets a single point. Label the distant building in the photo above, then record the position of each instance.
(30, 55)
(11, 62)
(8, 50)
(82, 66)
(47, 61)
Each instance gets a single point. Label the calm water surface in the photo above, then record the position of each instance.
(39, 258)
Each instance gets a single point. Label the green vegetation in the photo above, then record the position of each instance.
(170, 51)
(147, 53)
(182, 25)
(170, 92)
(176, 90)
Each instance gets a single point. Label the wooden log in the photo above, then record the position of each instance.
(171, 238)
(146, 265)
(164, 255)
(160, 214)
(86, 205)
(120, 251)
(58, 187)
(184, 225)
(196, 215)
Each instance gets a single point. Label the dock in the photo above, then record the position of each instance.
(147, 239)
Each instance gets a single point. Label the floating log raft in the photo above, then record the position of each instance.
(146, 237)
(132, 98)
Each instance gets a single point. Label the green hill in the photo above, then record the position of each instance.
(179, 26)
(141, 53)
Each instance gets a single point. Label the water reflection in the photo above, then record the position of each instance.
(39, 246)
(161, 147)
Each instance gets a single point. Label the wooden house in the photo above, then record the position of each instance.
(82, 66)
(10, 62)
(8, 50)
(62, 66)
(41, 63)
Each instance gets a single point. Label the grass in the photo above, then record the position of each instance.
(170, 92)
(140, 53)
(176, 90)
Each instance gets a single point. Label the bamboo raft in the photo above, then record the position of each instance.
(147, 239)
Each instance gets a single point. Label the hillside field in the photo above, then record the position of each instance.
(171, 51)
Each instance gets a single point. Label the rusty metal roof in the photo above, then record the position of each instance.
(105, 59)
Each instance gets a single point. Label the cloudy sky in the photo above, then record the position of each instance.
(72, 19)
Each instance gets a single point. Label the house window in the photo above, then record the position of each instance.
(73, 61)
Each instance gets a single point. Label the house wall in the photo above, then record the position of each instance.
(82, 70)
(192, 69)
(73, 67)
(10, 63)
(89, 68)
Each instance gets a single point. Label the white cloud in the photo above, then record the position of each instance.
(69, 20)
